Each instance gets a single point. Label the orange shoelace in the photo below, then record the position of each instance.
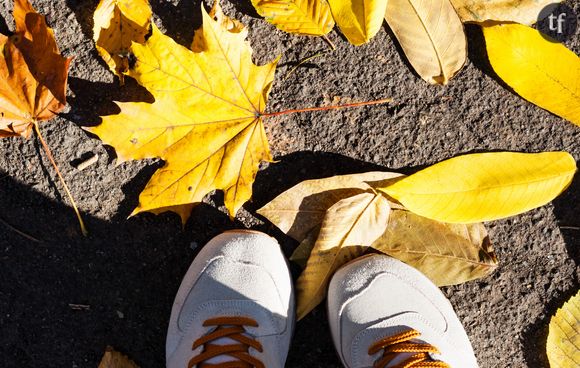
(232, 328)
(394, 345)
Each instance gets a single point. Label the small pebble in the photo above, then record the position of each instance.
(193, 245)
(120, 314)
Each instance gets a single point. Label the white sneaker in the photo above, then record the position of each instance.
(235, 306)
(384, 313)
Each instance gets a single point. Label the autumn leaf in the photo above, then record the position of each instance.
(33, 74)
(431, 35)
(484, 186)
(519, 11)
(304, 17)
(348, 228)
(205, 122)
(448, 254)
(544, 73)
(563, 345)
(358, 20)
(302, 252)
(303, 207)
(117, 24)
(114, 359)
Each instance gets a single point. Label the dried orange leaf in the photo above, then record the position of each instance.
(33, 74)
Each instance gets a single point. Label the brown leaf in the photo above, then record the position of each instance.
(446, 253)
(114, 359)
(33, 73)
(348, 228)
(302, 207)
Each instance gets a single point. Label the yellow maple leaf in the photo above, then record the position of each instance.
(484, 186)
(543, 72)
(117, 24)
(304, 17)
(563, 345)
(205, 122)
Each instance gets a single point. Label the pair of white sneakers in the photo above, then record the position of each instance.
(235, 308)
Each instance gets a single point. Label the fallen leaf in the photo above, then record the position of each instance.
(446, 253)
(431, 35)
(304, 17)
(563, 345)
(302, 252)
(117, 24)
(544, 73)
(358, 20)
(205, 122)
(303, 207)
(484, 186)
(114, 359)
(33, 74)
(348, 228)
(519, 11)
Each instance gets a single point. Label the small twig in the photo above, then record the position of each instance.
(53, 162)
(88, 162)
(324, 108)
(305, 60)
(19, 232)
(570, 227)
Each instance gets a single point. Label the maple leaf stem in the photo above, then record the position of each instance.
(53, 162)
(324, 108)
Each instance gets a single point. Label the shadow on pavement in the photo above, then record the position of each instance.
(65, 298)
(568, 215)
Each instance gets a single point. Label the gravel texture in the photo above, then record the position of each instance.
(128, 270)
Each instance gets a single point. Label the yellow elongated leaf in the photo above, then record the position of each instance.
(303, 207)
(484, 186)
(114, 359)
(117, 24)
(563, 346)
(358, 20)
(431, 35)
(446, 253)
(304, 17)
(519, 11)
(348, 228)
(545, 73)
(205, 122)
